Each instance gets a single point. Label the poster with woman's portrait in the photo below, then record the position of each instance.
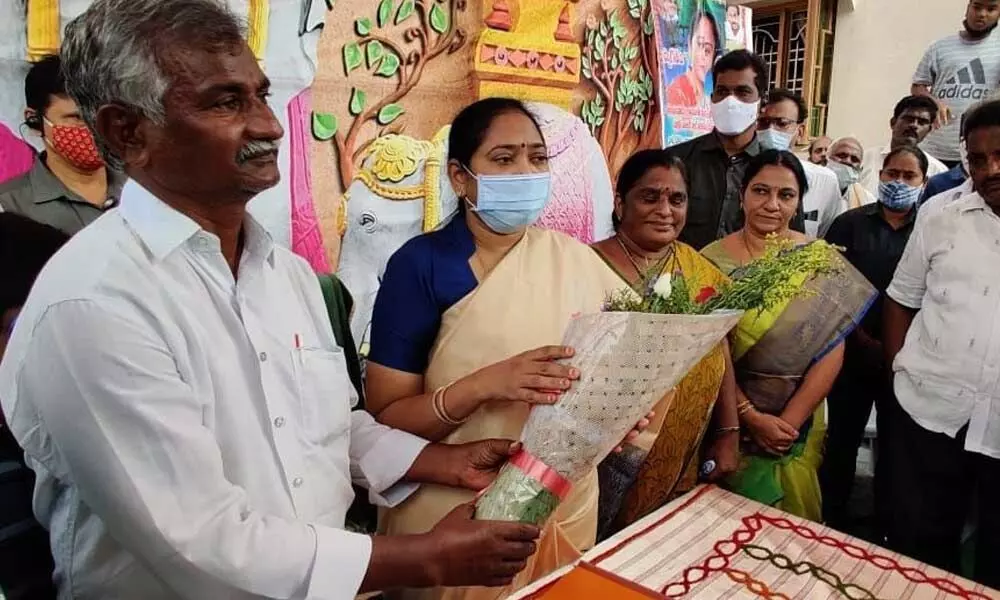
(690, 37)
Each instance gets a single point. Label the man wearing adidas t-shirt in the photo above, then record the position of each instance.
(959, 71)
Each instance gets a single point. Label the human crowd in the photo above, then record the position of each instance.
(185, 414)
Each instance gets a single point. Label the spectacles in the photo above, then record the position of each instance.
(766, 122)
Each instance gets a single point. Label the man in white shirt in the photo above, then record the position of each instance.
(912, 119)
(942, 335)
(780, 127)
(845, 157)
(173, 377)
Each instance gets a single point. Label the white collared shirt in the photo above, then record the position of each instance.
(871, 166)
(938, 201)
(948, 372)
(822, 202)
(192, 434)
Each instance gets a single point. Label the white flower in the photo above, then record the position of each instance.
(663, 287)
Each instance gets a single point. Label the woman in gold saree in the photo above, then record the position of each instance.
(650, 212)
(468, 319)
(787, 357)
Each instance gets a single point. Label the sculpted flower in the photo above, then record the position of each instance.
(663, 287)
(591, 22)
(395, 158)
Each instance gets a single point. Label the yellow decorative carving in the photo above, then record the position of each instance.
(259, 14)
(409, 192)
(395, 157)
(432, 180)
(500, 55)
(526, 93)
(42, 28)
(342, 214)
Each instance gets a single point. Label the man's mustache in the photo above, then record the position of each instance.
(256, 149)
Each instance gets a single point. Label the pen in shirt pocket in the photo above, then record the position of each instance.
(298, 349)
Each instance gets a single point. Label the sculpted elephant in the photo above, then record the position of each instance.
(402, 190)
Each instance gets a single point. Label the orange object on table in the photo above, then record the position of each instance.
(586, 582)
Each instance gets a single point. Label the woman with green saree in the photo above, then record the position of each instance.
(663, 462)
(787, 357)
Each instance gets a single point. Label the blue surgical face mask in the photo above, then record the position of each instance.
(846, 174)
(897, 196)
(510, 203)
(773, 139)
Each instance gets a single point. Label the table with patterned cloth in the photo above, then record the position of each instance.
(713, 544)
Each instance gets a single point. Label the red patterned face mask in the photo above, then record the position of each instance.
(76, 145)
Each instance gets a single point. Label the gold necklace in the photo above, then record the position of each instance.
(658, 267)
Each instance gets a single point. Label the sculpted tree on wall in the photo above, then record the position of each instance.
(620, 63)
(397, 42)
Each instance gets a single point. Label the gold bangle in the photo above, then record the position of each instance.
(724, 430)
(743, 407)
(437, 403)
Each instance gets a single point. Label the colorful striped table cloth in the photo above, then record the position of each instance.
(713, 544)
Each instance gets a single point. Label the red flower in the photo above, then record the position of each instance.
(706, 294)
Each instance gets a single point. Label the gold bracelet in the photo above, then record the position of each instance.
(724, 430)
(437, 403)
(743, 407)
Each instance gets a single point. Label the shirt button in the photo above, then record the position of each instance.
(297, 482)
(279, 422)
(263, 357)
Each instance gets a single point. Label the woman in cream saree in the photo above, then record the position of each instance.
(786, 358)
(663, 462)
(466, 324)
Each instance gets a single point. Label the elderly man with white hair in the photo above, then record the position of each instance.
(173, 377)
(844, 159)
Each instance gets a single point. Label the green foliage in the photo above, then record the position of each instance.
(359, 99)
(352, 57)
(374, 50)
(363, 26)
(438, 19)
(384, 11)
(389, 66)
(770, 281)
(389, 113)
(404, 12)
(324, 126)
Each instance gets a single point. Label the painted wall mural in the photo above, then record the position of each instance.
(365, 105)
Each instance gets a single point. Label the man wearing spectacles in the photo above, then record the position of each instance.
(781, 126)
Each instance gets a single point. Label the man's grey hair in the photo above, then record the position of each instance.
(114, 53)
(847, 139)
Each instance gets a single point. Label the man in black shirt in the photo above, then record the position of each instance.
(25, 559)
(873, 238)
(717, 161)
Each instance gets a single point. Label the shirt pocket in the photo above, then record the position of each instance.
(324, 394)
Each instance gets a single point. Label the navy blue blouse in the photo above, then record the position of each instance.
(424, 278)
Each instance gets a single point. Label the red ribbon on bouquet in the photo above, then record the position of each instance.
(550, 479)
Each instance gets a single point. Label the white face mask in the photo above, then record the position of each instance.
(733, 117)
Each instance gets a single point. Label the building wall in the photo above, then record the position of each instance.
(877, 46)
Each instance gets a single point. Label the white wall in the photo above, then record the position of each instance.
(877, 46)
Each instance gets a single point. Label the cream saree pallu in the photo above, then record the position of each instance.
(525, 303)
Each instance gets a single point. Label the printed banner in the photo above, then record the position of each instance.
(739, 28)
(690, 37)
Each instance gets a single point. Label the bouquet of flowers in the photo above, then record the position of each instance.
(629, 356)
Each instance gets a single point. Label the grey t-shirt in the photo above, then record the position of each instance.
(960, 73)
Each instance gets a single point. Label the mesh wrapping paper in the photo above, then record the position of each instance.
(627, 362)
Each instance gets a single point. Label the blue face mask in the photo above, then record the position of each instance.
(510, 203)
(897, 196)
(772, 139)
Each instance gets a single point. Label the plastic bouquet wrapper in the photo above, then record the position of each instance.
(628, 361)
